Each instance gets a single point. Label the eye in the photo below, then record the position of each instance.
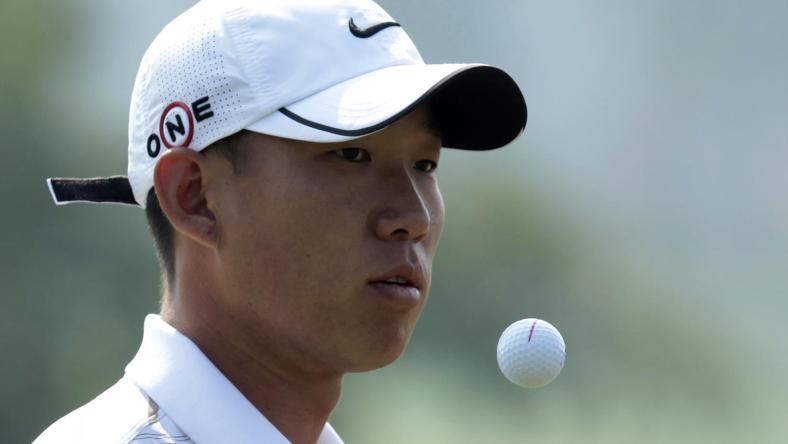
(427, 166)
(353, 154)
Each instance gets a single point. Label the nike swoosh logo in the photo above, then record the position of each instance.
(372, 30)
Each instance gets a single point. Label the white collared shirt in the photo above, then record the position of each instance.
(171, 393)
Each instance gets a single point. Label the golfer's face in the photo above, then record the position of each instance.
(310, 230)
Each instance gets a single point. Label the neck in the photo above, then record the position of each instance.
(296, 400)
(298, 404)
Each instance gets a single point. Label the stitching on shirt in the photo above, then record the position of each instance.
(163, 436)
(153, 416)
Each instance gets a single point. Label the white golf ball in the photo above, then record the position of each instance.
(531, 353)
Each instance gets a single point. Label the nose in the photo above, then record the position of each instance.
(404, 214)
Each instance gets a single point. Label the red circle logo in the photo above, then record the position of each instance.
(176, 126)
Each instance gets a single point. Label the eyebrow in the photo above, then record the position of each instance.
(431, 123)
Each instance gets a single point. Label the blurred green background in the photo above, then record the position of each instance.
(643, 213)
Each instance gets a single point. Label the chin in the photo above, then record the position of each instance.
(381, 353)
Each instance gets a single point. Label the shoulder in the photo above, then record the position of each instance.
(123, 414)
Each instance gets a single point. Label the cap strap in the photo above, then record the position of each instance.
(115, 189)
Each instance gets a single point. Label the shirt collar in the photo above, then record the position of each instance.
(173, 371)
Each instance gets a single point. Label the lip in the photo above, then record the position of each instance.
(407, 294)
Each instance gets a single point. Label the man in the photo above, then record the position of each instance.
(285, 154)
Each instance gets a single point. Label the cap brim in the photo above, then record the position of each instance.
(476, 107)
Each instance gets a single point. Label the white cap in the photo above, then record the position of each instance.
(314, 70)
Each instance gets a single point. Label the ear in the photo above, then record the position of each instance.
(179, 179)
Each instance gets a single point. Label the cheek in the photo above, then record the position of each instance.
(294, 238)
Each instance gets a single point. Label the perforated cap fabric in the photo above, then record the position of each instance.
(314, 70)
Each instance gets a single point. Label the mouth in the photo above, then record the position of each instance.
(398, 280)
(402, 285)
